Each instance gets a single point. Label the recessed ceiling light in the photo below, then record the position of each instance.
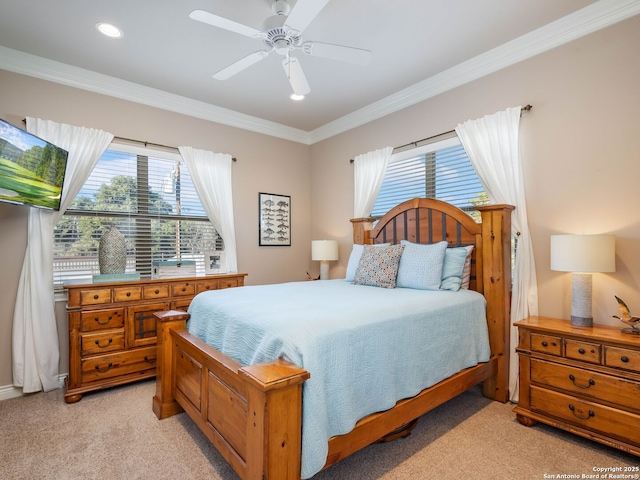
(109, 30)
(296, 97)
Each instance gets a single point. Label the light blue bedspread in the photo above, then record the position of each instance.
(365, 347)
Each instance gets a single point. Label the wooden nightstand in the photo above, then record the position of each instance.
(585, 380)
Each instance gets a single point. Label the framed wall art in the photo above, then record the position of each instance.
(274, 220)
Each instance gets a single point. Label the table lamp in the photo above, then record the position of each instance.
(324, 251)
(582, 255)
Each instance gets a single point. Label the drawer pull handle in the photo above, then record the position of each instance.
(104, 370)
(184, 289)
(573, 379)
(128, 294)
(95, 297)
(97, 319)
(149, 360)
(589, 415)
(581, 351)
(228, 284)
(545, 344)
(624, 359)
(207, 287)
(104, 346)
(157, 291)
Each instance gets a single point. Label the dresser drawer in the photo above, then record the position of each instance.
(583, 351)
(102, 319)
(160, 290)
(596, 386)
(228, 282)
(600, 418)
(546, 344)
(95, 296)
(180, 289)
(108, 341)
(102, 367)
(127, 294)
(207, 285)
(622, 358)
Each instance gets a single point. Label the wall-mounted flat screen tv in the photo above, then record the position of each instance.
(31, 169)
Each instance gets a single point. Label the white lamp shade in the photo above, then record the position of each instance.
(324, 250)
(583, 253)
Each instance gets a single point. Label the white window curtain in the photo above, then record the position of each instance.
(368, 174)
(35, 345)
(493, 148)
(211, 175)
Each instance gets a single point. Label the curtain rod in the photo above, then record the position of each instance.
(146, 144)
(526, 108)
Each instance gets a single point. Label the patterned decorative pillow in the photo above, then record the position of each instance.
(378, 266)
(354, 259)
(453, 267)
(421, 265)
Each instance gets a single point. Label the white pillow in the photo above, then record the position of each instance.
(421, 265)
(455, 259)
(354, 259)
(466, 272)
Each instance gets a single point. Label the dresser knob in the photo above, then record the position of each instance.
(149, 360)
(581, 351)
(95, 297)
(128, 294)
(545, 344)
(184, 289)
(207, 287)
(573, 379)
(157, 291)
(573, 410)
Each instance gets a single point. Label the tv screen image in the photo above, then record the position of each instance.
(31, 169)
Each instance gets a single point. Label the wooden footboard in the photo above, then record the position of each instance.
(252, 415)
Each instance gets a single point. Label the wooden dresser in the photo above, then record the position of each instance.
(585, 380)
(112, 330)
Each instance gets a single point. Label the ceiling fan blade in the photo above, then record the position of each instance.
(296, 77)
(221, 22)
(241, 64)
(303, 13)
(341, 53)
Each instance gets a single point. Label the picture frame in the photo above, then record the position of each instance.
(274, 214)
(213, 262)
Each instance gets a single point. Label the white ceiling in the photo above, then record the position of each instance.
(420, 48)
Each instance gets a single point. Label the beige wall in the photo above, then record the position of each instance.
(265, 164)
(580, 147)
(580, 150)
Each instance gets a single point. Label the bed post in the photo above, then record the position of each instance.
(164, 405)
(496, 272)
(361, 229)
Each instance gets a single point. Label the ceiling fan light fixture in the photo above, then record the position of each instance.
(109, 30)
(296, 97)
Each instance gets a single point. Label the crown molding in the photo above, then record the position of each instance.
(57, 72)
(587, 20)
(592, 18)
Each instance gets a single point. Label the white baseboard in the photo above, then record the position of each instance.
(9, 391)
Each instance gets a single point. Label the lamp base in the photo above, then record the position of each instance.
(581, 321)
(324, 270)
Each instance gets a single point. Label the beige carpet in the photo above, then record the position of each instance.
(113, 434)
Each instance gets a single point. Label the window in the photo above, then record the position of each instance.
(439, 170)
(151, 200)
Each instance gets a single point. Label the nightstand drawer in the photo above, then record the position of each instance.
(622, 358)
(584, 351)
(102, 319)
(141, 360)
(102, 342)
(596, 386)
(546, 344)
(591, 416)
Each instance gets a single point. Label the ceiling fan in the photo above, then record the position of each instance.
(282, 33)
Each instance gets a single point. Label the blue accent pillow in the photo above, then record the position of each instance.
(421, 265)
(453, 267)
(378, 266)
(354, 259)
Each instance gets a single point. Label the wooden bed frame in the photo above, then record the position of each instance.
(253, 415)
